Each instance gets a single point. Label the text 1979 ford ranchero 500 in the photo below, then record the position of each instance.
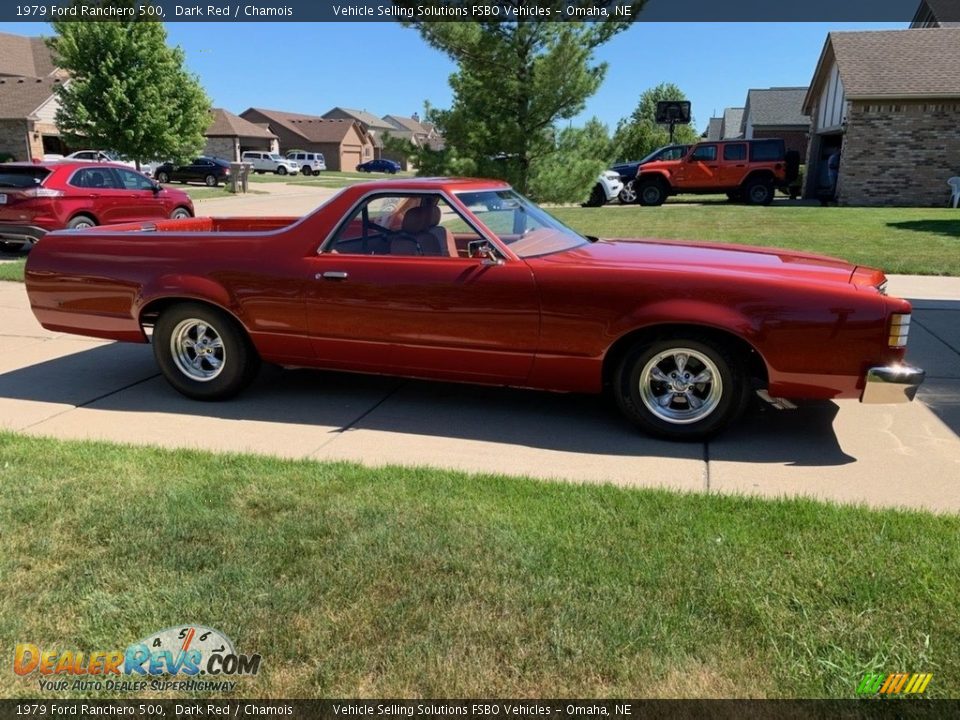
(458, 279)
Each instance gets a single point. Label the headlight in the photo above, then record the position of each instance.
(899, 329)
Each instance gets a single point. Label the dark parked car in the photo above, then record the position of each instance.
(381, 165)
(628, 170)
(209, 170)
(38, 198)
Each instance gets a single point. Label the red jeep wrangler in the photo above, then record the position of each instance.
(747, 170)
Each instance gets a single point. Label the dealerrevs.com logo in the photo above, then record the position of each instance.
(172, 659)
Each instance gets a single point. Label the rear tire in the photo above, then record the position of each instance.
(203, 352)
(11, 247)
(306, 171)
(163, 178)
(651, 192)
(758, 192)
(81, 222)
(211, 180)
(655, 387)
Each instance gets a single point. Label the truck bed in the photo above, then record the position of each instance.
(204, 225)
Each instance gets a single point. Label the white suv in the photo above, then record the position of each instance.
(309, 162)
(270, 162)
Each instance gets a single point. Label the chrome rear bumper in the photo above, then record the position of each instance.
(892, 384)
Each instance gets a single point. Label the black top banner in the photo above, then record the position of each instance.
(477, 11)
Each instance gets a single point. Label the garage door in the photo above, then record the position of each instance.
(349, 159)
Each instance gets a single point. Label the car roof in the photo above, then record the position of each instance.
(68, 163)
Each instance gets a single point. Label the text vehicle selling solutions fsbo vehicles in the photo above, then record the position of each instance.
(465, 280)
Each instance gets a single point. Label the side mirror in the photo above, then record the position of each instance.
(485, 250)
(156, 188)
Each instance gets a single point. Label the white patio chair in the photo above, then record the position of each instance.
(954, 184)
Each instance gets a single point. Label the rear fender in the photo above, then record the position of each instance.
(185, 287)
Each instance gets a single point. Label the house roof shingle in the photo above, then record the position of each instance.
(714, 128)
(226, 124)
(778, 106)
(20, 97)
(22, 56)
(367, 118)
(407, 124)
(919, 62)
(732, 120)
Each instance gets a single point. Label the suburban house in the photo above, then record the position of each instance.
(344, 143)
(727, 127)
(937, 13)
(28, 80)
(889, 102)
(777, 113)
(374, 126)
(230, 135)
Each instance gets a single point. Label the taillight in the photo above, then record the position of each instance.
(899, 329)
(41, 192)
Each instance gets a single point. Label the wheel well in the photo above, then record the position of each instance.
(755, 365)
(152, 310)
(656, 177)
(764, 175)
(182, 207)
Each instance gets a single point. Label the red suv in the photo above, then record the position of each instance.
(746, 170)
(37, 198)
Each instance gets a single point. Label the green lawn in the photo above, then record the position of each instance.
(921, 241)
(12, 270)
(400, 582)
(328, 178)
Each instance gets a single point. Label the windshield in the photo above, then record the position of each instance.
(276, 157)
(526, 228)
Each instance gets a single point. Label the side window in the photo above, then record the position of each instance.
(94, 178)
(705, 153)
(405, 225)
(735, 151)
(766, 151)
(134, 180)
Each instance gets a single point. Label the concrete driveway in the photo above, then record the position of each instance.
(904, 455)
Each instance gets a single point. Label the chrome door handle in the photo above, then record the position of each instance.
(332, 275)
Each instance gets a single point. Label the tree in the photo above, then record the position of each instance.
(639, 134)
(128, 91)
(515, 80)
(569, 172)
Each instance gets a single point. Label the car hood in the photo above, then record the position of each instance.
(713, 258)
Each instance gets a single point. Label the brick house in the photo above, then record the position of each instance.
(890, 102)
(344, 143)
(374, 126)
(230, 135)
(28, 78)
(777, 113)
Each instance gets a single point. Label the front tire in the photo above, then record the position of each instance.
(597, 197)
(203, 352)
(680, 388)
(180, 214)
(163, 178)
(281, 170)
(211, 180)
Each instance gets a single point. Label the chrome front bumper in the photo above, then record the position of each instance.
(892, 384)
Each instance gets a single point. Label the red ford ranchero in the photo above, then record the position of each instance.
(466, 280)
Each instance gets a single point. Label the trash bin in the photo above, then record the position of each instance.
(234, 183)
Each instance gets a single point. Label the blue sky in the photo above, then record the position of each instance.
(385, 68)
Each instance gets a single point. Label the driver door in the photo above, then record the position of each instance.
(383, 297)
(700, 170)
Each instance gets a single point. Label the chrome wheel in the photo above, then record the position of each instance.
(680, 386)
(197, 349)
(628, 195)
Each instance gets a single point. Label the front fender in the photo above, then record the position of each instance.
(687, 312)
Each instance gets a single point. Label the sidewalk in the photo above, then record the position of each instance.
(901, 455)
